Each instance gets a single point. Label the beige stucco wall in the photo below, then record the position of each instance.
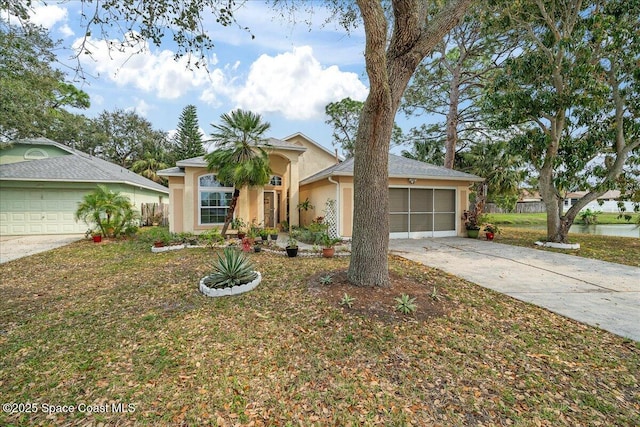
(318, 193)
(314, 159)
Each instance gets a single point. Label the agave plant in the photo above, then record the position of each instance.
(232, 268)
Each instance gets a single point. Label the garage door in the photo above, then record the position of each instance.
(35, 211)
(422, 212)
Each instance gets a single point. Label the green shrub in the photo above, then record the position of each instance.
(405, 304)
(211, 237)
(231, 268)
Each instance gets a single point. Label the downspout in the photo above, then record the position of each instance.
(337, 203)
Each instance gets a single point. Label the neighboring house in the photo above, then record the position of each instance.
(425, 200)
(608, 202)
(42, 182)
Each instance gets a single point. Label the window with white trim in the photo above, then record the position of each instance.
(275, 180)
(214, 200)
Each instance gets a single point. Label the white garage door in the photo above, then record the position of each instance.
(35, 211)
(422, 212)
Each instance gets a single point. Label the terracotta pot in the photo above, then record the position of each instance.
(158, 244)
(328, 252)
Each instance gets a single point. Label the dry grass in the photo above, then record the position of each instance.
(97, 324)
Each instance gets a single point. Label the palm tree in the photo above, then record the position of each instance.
(239, 158)
(502, 170)
(110, 211)
(149, 167)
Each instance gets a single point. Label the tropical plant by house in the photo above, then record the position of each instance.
(110, 212)
(239, 158)
(231, 268)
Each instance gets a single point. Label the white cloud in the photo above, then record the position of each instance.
(131, 63)
(296, 85)
(66, 30)
(48, 15)
(142, 108)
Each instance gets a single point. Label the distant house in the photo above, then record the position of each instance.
(42, 182)
(425, 200)
(608, 202)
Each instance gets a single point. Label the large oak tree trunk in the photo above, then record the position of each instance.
(389, 70)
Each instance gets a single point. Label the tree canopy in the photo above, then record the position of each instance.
(33, 94)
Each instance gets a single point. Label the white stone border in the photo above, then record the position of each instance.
(166, 248)
(213, 292)
(559, 245)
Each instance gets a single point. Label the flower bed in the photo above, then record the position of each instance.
(235, 290)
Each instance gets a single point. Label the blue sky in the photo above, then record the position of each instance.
(287, 73)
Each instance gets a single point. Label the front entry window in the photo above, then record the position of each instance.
(214, 200)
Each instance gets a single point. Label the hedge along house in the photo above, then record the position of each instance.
(42, 182)
(200, 202)
(425, 200)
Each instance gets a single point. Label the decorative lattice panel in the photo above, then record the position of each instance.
(331, 218)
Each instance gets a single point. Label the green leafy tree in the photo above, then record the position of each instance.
(423, 147)
(111, 212)
(344, 117)
(239, 157)
(33, 94)
(125, 137)
(575, 87)
(448, 83)
(188, 139)
(502, 169)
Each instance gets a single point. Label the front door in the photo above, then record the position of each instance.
(269, 209)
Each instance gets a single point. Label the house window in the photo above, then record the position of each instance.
(35, 154)
(275, 181)
(214, 199)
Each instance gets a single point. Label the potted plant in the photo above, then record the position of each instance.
(328, 244)
(96, 236)
(273, 232)
(471, 223)
(264, 234)
(490, 231)
(292, 247)
(239, 225)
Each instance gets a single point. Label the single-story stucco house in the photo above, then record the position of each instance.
(425, 200)
(42, 182)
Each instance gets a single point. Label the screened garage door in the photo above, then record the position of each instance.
(35, 211)
(422, 212)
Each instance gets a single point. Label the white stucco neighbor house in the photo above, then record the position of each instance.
(425, 200)
(42, 182)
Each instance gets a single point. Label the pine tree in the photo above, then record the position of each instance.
(188, 139)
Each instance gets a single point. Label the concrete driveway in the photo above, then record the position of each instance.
(14, 247)
(598, 293)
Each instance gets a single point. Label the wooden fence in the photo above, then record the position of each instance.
(154, 214)
(521, 207)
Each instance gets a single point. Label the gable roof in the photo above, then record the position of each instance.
(311, 141)
(76, 167)
(399, 167)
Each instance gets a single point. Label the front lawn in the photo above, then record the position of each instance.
(621, 250)
(107, 328)
(516, 219)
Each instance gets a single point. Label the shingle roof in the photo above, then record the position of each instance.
(399, 167)
(76, 167)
